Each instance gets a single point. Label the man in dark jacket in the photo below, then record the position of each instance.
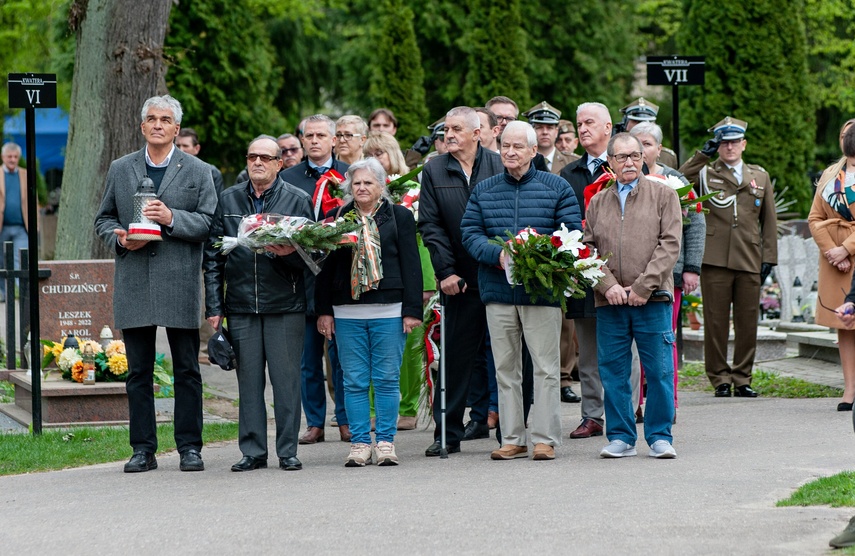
(318, 142)
(594, 125)
(521, 197)
(447, 180)
(264, 298)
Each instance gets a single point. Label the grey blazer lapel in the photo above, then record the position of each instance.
(172, 170)
(139, 167)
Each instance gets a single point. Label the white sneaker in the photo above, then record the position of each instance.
(384, 454)
(360, 455)
(618, 449)
(662, 449)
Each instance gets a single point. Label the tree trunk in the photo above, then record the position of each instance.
(118, 65)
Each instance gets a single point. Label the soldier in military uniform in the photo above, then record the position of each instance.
(642, 110)
(544, 119)
(740, 251)
(567, 140)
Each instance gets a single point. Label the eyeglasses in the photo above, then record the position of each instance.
(264, 157)
(347, 136)
(508, 119)
(731, 142)
(292, 150)
(621, 158)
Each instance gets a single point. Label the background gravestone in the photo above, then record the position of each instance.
(78, 298)
(797, 257)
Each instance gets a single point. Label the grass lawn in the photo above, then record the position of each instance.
(76, 447)
(693, 378)
(835, 491)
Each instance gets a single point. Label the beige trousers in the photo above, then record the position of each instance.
(541, 327)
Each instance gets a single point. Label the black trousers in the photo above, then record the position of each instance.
(140, 347)
(465, 324)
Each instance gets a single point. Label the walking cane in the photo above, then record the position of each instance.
(443, 450)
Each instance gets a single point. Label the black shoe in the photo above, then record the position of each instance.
(569, 396)
(248, 463)
(843, 406)
(722, 391)
(191, 460)
(290, 463)
(475, 430)
(141, 461)
(639, 415)
(744, 391)
(434, 449)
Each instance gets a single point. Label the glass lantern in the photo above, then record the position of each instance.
(143, 228)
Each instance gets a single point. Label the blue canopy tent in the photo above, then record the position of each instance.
(51, 136)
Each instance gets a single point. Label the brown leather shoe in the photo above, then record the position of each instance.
(510, 451)
(344, 433)
(407, 422)
(313, 435)
(492, 419)
(587, 429)
(543, 452)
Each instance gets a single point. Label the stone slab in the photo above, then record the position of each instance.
(770, 345)
(70, 402)
(77, 297)
(817, 345)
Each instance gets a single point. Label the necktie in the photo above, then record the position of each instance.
(595, 165)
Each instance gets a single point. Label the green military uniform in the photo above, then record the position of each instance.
(741, 235)
(642, 110)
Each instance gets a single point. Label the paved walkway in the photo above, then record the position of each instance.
(736, 459)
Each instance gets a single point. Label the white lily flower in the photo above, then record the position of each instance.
(570, 240)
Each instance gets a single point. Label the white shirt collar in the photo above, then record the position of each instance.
(737, 170)
(165, 160)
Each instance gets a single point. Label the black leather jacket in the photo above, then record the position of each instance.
(256, 283)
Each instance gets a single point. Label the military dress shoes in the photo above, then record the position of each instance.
(191, 460)
(722, 391)
(569, 396)
(313, 435)
(587, 429)
(744, 391)
(141, 461)
(291, 463)
(475, 430)
(248, 463)
(434, 449)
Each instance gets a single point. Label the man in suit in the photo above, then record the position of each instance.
(318, 142)
(741, 249)
(594, 124)
(157, 282)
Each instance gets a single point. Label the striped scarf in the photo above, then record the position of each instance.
(366, 270)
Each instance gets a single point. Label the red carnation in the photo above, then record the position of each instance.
(699, 208)
(584, 252)
(556, 241)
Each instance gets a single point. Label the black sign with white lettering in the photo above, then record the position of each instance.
(675, 70)
(32, 90)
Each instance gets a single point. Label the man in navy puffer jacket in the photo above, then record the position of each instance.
(520, 197)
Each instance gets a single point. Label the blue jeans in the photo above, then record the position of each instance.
(314, 386)
(650, 327)
(18, 236)
(370, 353)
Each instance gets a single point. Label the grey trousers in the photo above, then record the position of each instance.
(591, 388)
(277, 341)
(541, 327)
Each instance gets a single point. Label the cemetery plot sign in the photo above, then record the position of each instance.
(675, 70)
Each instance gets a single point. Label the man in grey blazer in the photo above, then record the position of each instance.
(157, 282)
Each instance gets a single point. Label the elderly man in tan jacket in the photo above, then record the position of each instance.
(13, 206)
(636, 223)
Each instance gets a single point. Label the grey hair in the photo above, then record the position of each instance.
(165, 102)
(320, 118)
(648, 128)
(372, 165)
(260, 137)
(11, 147)
(286, 136)
(516, 125)
(598, 106)
(469, 115)
(622, 137)
(361, 126)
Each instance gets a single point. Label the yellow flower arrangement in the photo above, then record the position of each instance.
(77, 372)
(118, 363)
(116, 347)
